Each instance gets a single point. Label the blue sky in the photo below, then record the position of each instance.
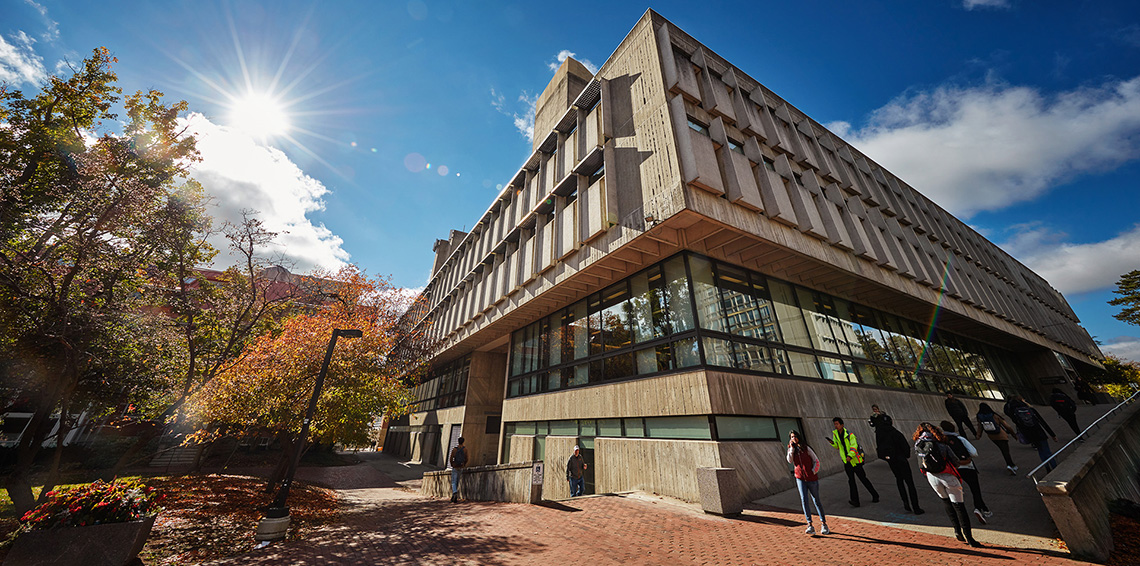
(1023, 118)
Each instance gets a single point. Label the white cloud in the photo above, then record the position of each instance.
(52, 31)
(987, 147)
(972, 4)
(524, 118)
(19, 63)
(240, 173)
(1075, 268)
(561, 57)
(1126, 347)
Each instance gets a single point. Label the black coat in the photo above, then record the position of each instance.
(892, 443)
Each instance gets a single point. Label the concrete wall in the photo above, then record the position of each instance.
(485, 381)
(558, 451)
(666, 467)
(425, 445)
(1100, 470)
(506, 482)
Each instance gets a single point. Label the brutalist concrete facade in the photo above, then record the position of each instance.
(669, 149)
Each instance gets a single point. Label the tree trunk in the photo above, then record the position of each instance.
(19, 483)
(53, 474)
(281, 468)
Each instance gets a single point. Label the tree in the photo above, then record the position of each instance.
(1120, 378)
(1129, 290)
(270, 386)
(79, 205)
(213, 319)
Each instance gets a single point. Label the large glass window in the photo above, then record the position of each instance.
(690, 310)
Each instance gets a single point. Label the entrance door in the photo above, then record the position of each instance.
(452, 442)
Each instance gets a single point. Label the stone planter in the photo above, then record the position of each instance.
(112, 544)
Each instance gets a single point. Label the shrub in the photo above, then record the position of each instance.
(93, 504)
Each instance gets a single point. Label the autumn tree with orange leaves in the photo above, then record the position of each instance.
(269, 388)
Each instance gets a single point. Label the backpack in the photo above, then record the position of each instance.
(1063, 404)
(459, 457)
(1024, 417)
(956, 445)
(988, 423)
(930, 456)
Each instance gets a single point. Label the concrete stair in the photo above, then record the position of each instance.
(177, 457)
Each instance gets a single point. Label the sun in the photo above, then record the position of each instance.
(259, 115)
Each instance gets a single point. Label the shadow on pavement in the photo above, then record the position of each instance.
(963, 551)
(558, 506)
(397, 532)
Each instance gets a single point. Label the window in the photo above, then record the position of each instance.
(699, 128)
(646, 324)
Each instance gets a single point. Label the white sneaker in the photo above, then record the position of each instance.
(980, 516)
(825, 530)
(988, 514)
(810, 530)
(1012, 470)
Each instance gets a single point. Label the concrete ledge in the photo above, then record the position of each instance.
(1102, 469)
(512, 483)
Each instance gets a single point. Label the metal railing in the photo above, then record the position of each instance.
(1080, 437)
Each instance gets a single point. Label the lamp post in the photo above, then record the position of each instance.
(276, 521)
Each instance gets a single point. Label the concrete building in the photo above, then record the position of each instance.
(687, 266)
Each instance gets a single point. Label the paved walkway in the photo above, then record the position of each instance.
(382, 524)
(1020, 517)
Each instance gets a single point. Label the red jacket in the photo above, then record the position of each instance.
(805, 462)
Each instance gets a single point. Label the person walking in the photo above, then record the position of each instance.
(966, 468)
(1066, 408)
(1034, 428)
(576, 473)
(940, 465)
(853, 459)
(958, 412)
(996, 428)
(893, 447)
(805, 466)
(458, 460)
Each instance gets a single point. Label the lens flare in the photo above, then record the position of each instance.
(259, 115)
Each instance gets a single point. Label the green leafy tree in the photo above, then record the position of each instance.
(1120, 378)
(1129, 290)
(80, 211)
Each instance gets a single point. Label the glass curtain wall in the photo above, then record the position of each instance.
(691, 311)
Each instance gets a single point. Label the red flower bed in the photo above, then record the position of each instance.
(92, 504)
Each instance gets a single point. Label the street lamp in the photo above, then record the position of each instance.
(276, 521)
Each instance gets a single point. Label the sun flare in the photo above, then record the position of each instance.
(259, 115)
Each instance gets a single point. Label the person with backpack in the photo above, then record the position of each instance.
(576, 473)
(853, 459)
(957, 410)
(805, 466)
(1066, 408)
(940, 465)
(966, 468)
(458, 460)
(1034, 428)
(996, 428)
(893, 447)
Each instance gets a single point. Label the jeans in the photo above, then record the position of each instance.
(857, 470)
(810, 488)
(577, 486)
(455, 480)
(1044, 452)
(947, 487)
(970, 476)
(904, 477)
